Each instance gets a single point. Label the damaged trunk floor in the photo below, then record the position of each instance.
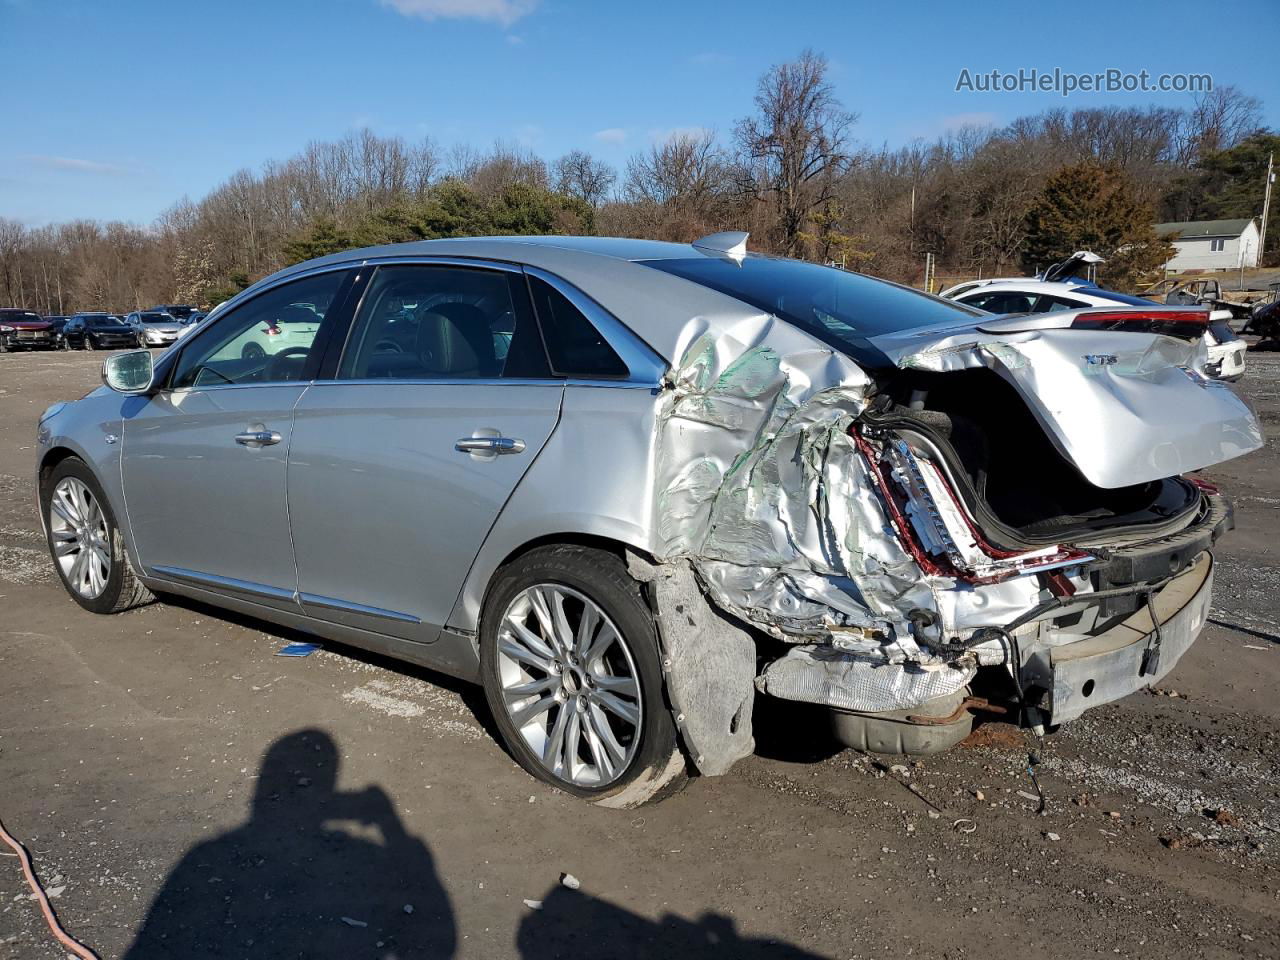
(132, 748)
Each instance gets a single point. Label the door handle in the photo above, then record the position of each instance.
(489, 445)
(262, 438)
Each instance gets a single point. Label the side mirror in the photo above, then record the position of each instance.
(129, 373)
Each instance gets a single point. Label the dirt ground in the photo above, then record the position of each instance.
(185, 792)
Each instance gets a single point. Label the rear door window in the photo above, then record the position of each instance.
(427, 322)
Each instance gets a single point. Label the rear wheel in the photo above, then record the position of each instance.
(85, 541)
(569, 659)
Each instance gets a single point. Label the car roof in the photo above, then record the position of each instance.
(666, 311)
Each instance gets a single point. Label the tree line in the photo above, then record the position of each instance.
(982, 200)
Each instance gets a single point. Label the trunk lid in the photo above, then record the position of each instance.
(1124, 406)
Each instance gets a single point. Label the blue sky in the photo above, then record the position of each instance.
(117, 108)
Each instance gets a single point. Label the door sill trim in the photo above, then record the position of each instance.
(227, 583)
(332, 603)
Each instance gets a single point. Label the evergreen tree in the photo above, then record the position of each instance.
(1090, 207)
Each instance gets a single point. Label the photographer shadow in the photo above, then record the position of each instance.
(314, 872)
(572, 924)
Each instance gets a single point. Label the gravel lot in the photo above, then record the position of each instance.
(187, 793)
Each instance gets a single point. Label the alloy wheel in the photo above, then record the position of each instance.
(569, 685)
(81, 538)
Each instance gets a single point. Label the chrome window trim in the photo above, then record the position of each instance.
(644, 366)
(214, 387)
(346, 606)
(483, 382)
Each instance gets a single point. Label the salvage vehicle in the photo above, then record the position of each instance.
(155, 329)
(99, 331)
(26, 330)
(1226, 350)
(1264, 317)
(1199, 291)
(627, 486)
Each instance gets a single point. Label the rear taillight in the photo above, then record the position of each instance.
(1183, 324)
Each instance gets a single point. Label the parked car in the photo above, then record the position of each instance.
(1264, 317)
(627, 486)
(56, 325)
(155, 329)
(1225, 348)
(179, 311)
(25, 330)
(99, 331)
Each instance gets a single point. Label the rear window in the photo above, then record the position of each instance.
(839, 308)
(1115, 297)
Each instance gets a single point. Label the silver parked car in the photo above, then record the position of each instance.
(628, 486)
(156, 329)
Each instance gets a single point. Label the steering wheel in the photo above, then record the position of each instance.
(273, 367)
(387, 346)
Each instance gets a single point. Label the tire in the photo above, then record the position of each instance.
(88, 343)
(119, 589)
(578, 720)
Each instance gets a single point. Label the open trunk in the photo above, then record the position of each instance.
(1013, 480)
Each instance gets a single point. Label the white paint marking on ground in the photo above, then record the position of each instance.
(391, 706)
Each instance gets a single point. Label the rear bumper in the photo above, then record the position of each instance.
(1109, 666)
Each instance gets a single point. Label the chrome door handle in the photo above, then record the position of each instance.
(262, 438)
(489, 445)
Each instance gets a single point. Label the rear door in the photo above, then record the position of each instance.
(204, 459)
(401, 463)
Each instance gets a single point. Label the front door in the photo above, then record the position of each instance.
(204, 460)
(401, 464)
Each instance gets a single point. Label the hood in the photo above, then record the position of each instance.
(19, 324)
(1124, 406)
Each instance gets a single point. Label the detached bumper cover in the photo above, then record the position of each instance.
(1095, 671)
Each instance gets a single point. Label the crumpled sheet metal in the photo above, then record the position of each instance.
(761, 488)
(819, 674)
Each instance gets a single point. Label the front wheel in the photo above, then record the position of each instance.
(570, 663)
(86, 544)
(88, 343)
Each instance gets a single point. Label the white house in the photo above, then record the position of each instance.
(1211, 244)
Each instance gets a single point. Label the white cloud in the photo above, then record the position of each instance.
(611, 135)
(505, 12)
(662, 135)
(710, 58)
(75, 164)
(958, 120)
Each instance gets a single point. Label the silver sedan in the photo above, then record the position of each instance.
(631, 486)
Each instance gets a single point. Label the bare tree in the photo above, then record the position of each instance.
(579, 174)
(1222, 118)
(796, 146)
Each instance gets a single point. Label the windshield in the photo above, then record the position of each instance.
(103, 320)
(155, 318)
(180, 312)
(19, 316)
(839, 308)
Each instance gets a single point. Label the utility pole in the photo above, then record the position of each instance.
(1266, 208)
